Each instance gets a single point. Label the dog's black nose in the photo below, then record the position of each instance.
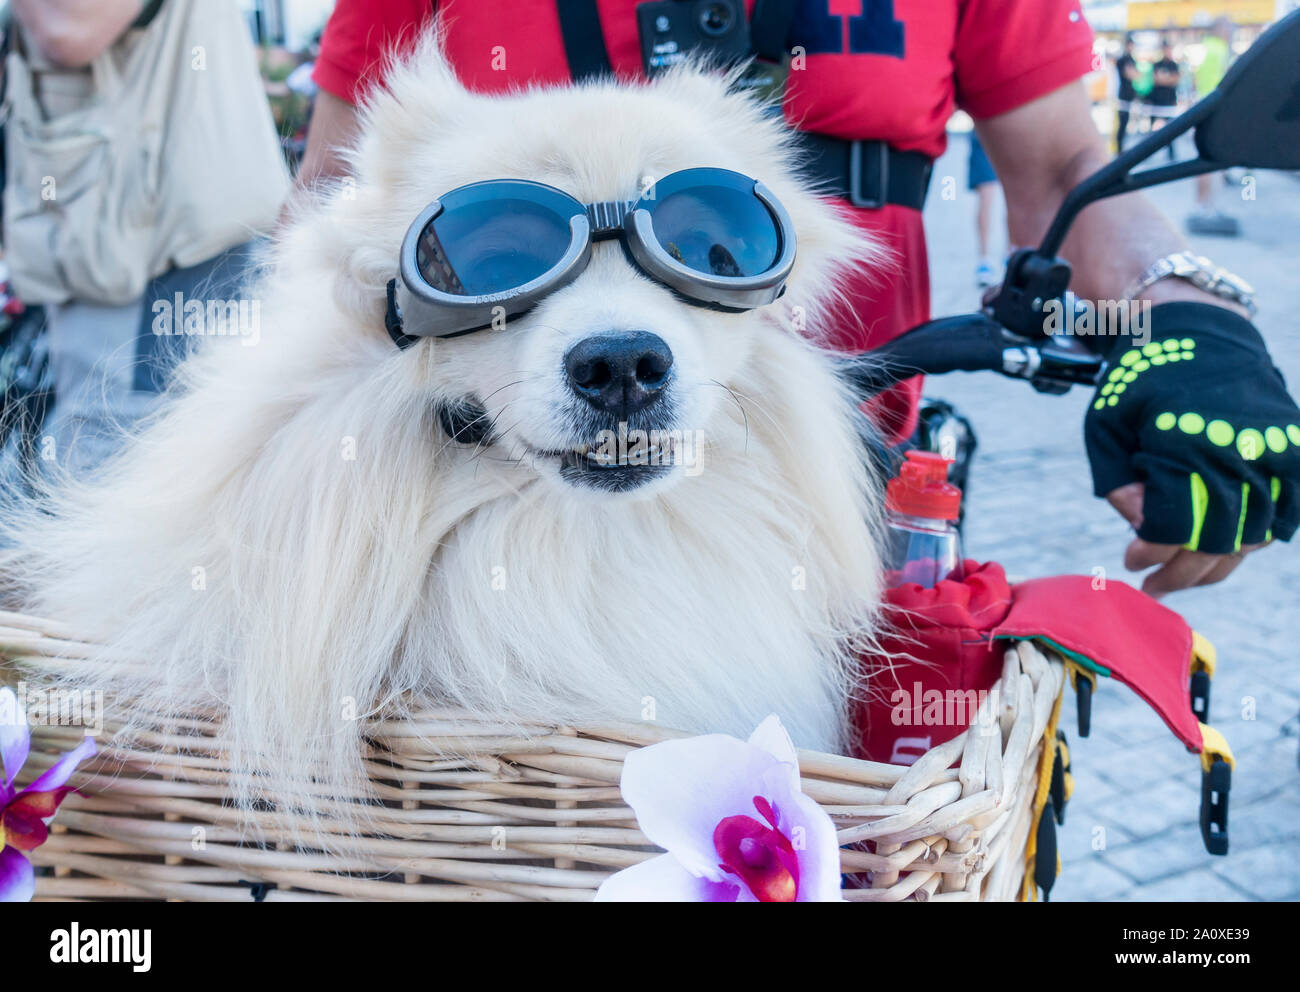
(619, 372)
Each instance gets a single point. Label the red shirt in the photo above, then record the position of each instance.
(891, 70)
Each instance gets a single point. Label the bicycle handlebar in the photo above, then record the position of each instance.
(967, 343)
(973, 342)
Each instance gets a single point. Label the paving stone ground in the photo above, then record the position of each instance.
(1132, 832)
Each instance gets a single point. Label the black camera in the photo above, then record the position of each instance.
(671, 30)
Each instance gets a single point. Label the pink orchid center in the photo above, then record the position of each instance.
(758, 854)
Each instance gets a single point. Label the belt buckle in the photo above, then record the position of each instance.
(856, 196)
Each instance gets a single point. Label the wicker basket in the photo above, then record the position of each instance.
(513, 816)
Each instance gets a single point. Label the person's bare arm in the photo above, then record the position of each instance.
(73, 32)
(1043, 150)
(1040, 152)
(333, 126)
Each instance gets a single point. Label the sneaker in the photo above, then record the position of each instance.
(1215, 222)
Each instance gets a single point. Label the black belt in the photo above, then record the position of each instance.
(868, 173)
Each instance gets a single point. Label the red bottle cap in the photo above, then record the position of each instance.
(922, 489)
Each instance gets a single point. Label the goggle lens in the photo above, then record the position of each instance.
(494, 237)
(716, 229)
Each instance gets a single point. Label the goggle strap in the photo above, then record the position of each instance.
(393, 319)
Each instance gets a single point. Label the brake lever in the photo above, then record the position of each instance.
(1051, 365)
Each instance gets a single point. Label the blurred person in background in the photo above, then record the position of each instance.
(983, 182)
(140, 160)
(1163, 98)
(1208, 218)
(1127, 68)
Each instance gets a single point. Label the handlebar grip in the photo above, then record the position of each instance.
(967, 343)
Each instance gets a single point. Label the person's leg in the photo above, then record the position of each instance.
(1121, 129)
(1158, 121)
(110, 364)
(982, 180)
(983, 216)
(986, 201)
(92, 359)
(1207, 218)
(1205, 193)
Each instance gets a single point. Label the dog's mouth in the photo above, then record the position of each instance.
(614, 463)
(617, 460)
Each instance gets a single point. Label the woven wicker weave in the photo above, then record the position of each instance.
(512, 816)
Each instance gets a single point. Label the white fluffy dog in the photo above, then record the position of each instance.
(296, 540)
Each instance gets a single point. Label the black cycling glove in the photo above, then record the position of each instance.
(1197, 412)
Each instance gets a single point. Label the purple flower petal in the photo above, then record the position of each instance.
(663, 879)
(59, 773)
(773, 738)
(681, 790)
(15, 738)
(812, 833)
(17, 879)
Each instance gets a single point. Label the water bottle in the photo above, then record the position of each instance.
(921, 511)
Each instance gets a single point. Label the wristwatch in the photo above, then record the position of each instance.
(1200, 272)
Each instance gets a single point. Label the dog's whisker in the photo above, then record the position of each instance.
(739, 406)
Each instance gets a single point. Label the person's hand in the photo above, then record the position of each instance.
(1194, 439)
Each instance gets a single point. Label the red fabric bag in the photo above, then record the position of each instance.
(937, 662)
(942, 652)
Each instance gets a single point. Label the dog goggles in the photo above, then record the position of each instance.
(495, 249)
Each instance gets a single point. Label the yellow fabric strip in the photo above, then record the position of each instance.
(1241, 520)
(1200, 503)
(1214, 745)
(1204, 657)
(1077, 671)
(1028, 890)
(1275, 490)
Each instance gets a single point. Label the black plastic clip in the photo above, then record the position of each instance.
(258, 890)
(1057, 787)
(868, 174)
(1215, 786)
(1045, 851)
(393, 318)
(1200, 692)
(1083, 697)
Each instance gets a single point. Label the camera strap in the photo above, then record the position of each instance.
(584, 44)
(769, 28)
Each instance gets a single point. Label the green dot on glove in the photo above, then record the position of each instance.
(1220, 432)
(1250, 443)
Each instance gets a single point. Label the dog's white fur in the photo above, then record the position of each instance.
(294, 538)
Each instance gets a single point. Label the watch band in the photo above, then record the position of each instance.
(1200, 272)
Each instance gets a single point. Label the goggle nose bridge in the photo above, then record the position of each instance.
(606, 218)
